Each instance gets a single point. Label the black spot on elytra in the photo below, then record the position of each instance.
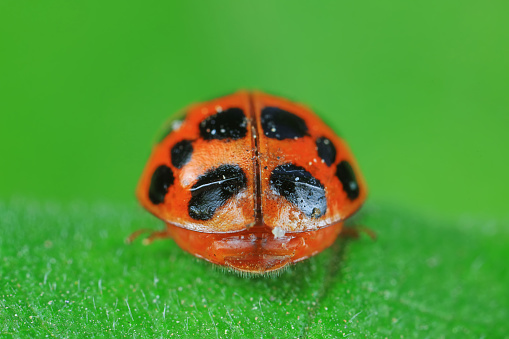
(280, 124)
(346, 175)
(181, 153)
(161, 181)
(326, 150)
(213, 189)
(300, 188)
(228, 124)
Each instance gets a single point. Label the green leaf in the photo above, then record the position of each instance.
(65, 271)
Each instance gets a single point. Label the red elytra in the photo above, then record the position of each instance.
(251, 181)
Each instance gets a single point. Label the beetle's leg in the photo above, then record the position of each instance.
(153, 235)
(354, 232)
(136, 234)
(156, 235)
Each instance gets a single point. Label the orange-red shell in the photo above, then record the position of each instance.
(257, 155)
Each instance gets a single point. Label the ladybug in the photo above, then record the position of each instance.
(251, 181)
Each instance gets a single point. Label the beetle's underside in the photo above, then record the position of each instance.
(256, 250)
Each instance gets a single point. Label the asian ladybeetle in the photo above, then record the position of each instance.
(251, 181)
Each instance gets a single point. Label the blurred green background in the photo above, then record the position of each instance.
(419, 90)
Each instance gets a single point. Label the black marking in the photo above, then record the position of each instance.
(280, 124)
(181, 153)
(228, 124)
(161, 181)
(326, 150)
(300, 188)
(213, 189)
(346, 175)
